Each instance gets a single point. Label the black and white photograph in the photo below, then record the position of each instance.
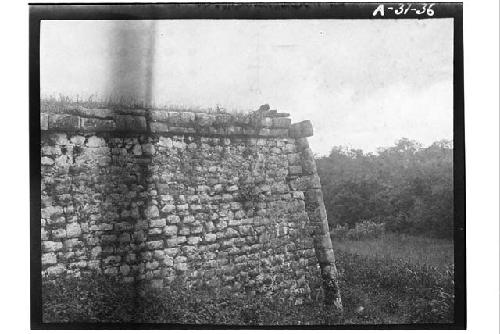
(247, 166)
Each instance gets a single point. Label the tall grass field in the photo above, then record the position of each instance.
(389, 279)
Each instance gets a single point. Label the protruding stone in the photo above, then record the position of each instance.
(170, 230)
(130, 123)
(304, 183)
(157, 127)
(301, 129)
(157, 284)
(181, 118)
(59, 139)
(148, 149)
(158, 115)
(158, 222)
(63, 122)
(94, 124)
(158, 244)
(73, 230)
(210, 237)
(49, 258)
(124, 270)
(96, 251)
(55, 270)
(204, 120)
(46, 161)
(96, 142)
(77, 140)
(44, 121)
(137, 150)
(152, 212)
(168, 208)
(51, 246)
(173, 219)
(281, 122)
(193, 240)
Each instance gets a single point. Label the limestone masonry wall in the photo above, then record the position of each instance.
(152, 195)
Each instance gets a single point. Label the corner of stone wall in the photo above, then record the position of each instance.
(304, 177)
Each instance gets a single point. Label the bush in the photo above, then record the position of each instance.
(407, 186)
(362, 231)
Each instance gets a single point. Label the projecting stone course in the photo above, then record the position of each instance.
(151, 195)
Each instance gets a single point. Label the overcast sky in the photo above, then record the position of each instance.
(363, 83)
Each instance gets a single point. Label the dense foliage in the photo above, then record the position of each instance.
(407, 187)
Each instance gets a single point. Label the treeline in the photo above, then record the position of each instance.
(407, 187)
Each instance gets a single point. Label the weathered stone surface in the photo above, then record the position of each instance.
(49, 258)
(278, 133)
(73, 230)
(152, 212)
(204, 120)
(64, 122)
(170, 230)
(96, 251)
(158, 222)
(229, 200)
(159, 115)
(155, 244)
(301, 129)
(183, 118)
(96, 142)
(304, 183)
(157, 127)
(130, 123)
(44, 121)
(94, 124)
(55, 270)
(46, 161)
(295, 170)
(77, 140)
(294, 159)
(309, 167)
(51, 246)
(281, 122)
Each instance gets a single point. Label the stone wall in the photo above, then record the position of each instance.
(151, 195)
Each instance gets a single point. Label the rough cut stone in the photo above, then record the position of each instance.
(44, 121)
(241, 203)
(158, 223)
(159, 115)
(51, 246)
(301, 129)
(157, 127)
(130, 123)
(94, 124)
(96, 142)
(46, 161)
(170, 230)
(49, 258)
(73, 230)
(77, 140)
(55, 270)
(64, 122)
(152, 212)
(155, 244)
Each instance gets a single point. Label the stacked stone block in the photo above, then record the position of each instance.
(151, 196)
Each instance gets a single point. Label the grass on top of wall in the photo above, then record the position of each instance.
(52, 102)
(374, 290)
